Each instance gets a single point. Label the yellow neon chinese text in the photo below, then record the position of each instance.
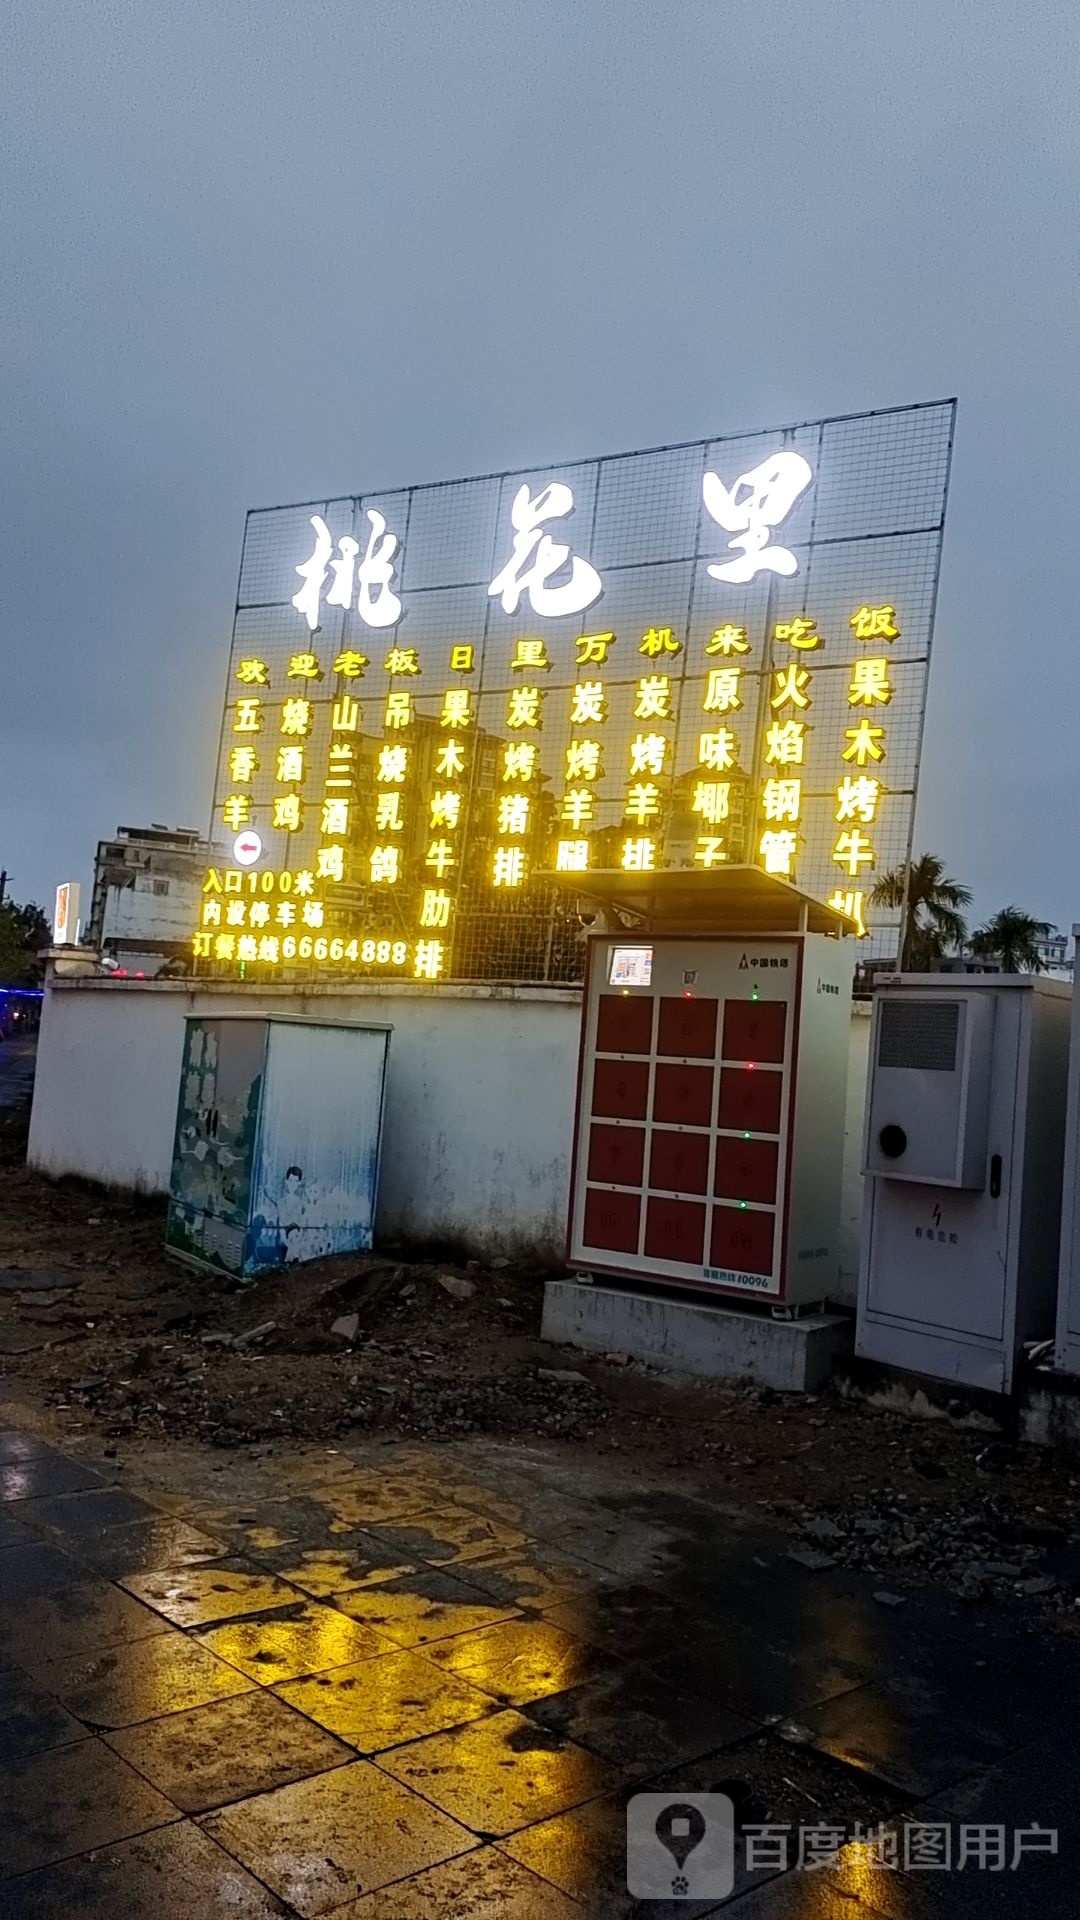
(593, 647)
(657, 641)
(588, 704)
(875, 623)
(722, 691)
(865, 743)
(781, 799)
(789, 684)
(870, 685)
(778, 849)
(728, 640)
(530, 655)
(653, 700)
(800, 632)
(524, 708)
(572, 856)
(785, 741)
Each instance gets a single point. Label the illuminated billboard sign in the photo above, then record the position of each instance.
(441, 698)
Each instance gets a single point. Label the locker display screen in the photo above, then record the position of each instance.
(631, 967)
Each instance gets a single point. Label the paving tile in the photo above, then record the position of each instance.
(583, 1853)
(538, 1577)
(14, 1533)
(325, 1841)
(174, 1873)
(359, 1561)
(31, 1720)
(33, 1567)
(518, 1661)
(498, 1774)
(266, 1525)
(15, 1447)
(385, 1702)
(228, 1750)
(56, 1805)
(312, 1638)
(465, 1492)
(148, 1546)
(637, 1622)
(584, 1850)
(907, 1732)
(631, 1717)
(1021, 1685)
(1038, 1785)
(757, 1675)
(421, 1607)
(631, 1549)
(449, 1536)
(819, 1894)
(69, 1518)
(198, 1596)
(125, 1684)
(1033, 1786)
(484, 1885)
(41, 1474)
(72, 1621)
(362, 1500)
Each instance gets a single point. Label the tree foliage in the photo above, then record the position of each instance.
(24, 931)
(1012, 936)
(935, 923)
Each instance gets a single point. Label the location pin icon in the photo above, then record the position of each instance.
(680, 1829)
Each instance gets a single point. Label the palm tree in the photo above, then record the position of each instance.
(933, 922)
(1012, 937)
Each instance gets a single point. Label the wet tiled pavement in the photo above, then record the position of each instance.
(382, 1684)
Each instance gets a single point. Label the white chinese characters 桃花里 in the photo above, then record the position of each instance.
(536, 557)
(758, 502)
(376, 602)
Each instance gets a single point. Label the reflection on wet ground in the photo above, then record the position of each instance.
(378, 1685)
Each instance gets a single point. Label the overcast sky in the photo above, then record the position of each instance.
(255, 253)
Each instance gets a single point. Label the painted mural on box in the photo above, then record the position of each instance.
(445, 699)
(277, 1142)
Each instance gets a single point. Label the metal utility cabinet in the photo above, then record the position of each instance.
(963, 1158)
(1067, 1346)
(278, 1133)
(710, 1123)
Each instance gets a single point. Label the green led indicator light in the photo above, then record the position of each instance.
(746, 1136)
(743, 1204)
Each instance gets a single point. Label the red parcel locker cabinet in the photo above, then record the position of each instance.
(709, 1134)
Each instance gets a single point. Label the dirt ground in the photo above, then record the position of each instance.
(138, 1350)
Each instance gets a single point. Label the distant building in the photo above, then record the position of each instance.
(146, 895)
(1054, 956)
(967, 963)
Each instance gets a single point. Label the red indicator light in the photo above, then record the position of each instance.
(688, 995)
(750, 1065)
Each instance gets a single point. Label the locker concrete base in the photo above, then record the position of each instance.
(716, 1342)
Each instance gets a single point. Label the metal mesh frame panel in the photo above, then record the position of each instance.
(460, 888)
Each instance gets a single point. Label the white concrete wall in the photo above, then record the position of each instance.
(479, 1106)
